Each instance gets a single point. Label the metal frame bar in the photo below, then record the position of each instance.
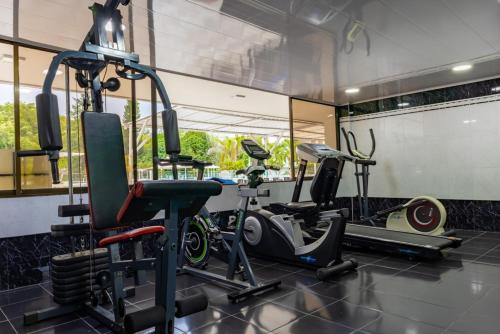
(292, 144)
(17, 121)
(18, 191)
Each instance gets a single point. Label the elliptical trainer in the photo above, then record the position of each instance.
(422, 214)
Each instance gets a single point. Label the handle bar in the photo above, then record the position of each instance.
(355, 152)
(53, 159)
(182, 160)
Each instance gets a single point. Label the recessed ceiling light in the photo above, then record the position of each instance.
(496, 89)
(462, 68)
(47, 71)
(352, 90)
(403, 104)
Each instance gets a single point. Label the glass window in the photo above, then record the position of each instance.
(312, 123)
(215, 136)
(213, 118)
(6, 17)
(7, 129)
(33, 64)
(144, 135)
(35, 171)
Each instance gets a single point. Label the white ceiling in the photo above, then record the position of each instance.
(295, 47)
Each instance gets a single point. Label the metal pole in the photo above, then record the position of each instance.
(68, 139)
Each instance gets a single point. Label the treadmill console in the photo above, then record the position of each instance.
(317, 152)
(254, 150)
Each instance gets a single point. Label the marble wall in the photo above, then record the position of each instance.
(461, 214)
(435, 96)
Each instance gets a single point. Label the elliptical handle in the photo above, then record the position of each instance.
(372, 135)
(355, 152)
(348, 141)
(350, 133)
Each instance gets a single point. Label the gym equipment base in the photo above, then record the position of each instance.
(244, 289)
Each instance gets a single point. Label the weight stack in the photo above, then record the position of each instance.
(71, 277)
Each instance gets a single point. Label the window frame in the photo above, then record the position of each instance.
(292, 148)
(19, 192)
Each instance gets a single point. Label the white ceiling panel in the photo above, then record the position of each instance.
(307, 48)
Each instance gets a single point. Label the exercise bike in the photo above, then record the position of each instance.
(279, 237)
(201, 237)
(422, 214)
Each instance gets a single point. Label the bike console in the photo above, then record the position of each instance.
(253, 150)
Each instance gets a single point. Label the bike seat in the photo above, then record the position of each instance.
(297, 207)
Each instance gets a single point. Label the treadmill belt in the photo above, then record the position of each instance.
(379, 233)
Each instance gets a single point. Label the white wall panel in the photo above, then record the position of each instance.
(448, 151)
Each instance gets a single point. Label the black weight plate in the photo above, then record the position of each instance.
(84, 264)
(71, 293)
(71, 280)
(69, 286)
(70, 258)
(76, 273)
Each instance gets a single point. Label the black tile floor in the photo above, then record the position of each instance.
(457, 295)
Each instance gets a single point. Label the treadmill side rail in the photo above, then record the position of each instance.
(411, 245)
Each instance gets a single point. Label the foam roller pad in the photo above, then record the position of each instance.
(49, 126)
(141, 320)
(190, 305)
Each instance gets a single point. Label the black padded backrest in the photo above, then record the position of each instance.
(106, 172)
(326, 181)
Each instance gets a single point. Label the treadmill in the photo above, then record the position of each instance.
(360, 237)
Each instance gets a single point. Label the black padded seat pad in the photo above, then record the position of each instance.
(296, 206)
(301, 205)
(146, 198)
